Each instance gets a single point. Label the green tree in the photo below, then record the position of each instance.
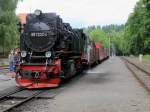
(137, 29)
(8, 28)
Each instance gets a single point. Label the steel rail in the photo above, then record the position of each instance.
(20, 102)
(137, 66)
(10, 93)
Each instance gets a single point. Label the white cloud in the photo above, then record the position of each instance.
(83, 12)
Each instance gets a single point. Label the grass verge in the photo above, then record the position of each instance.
(147, 57)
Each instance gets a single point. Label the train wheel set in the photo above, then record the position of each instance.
(52, 51)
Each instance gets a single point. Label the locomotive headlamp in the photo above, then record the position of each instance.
(48, 54)
(37, 12)
(23, 54)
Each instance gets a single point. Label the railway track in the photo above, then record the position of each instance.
(16, 98)
(9, 91)
(139, 73)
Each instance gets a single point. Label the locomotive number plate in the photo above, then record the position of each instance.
(38, 34)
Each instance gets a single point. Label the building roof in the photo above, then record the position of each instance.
(22, 17)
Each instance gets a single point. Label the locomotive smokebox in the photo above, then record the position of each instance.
(40, 37)
(40, 32)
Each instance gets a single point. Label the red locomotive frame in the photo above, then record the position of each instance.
(41, 80)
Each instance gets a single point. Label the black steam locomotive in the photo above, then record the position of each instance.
(50, 51)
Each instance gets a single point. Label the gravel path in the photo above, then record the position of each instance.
(6, 82)
(110, 87)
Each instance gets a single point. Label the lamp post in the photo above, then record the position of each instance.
(109, 44)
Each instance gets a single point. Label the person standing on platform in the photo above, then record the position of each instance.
(11, 61)
(16, 56)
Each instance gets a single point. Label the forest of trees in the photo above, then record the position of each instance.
(8, 29)
(102, 35)
(137, 30)
(131, 38)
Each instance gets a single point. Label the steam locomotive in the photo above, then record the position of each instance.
(51, 51)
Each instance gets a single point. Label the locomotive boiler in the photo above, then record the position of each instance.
(51, 51)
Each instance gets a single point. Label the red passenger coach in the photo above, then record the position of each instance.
(101, 53)
(92, 58)
(106, 54)
(97, 53)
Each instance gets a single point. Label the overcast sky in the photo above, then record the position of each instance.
(83, 13)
